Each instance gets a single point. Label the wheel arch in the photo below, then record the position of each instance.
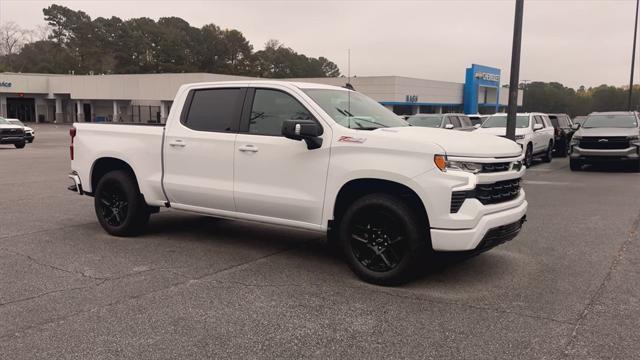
(358, 187)
(106, 164)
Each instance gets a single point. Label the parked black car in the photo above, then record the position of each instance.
(563, 132)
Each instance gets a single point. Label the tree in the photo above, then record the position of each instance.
(11, 38)
(278, 61)
(142, 45)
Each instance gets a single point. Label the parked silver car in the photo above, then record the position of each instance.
(606, 136)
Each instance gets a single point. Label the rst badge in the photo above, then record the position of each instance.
(351, 139)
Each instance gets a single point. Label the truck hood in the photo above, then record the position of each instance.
(9, 126)
(458, 143)
(606, 132)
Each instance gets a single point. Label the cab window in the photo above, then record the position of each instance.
(271, 108)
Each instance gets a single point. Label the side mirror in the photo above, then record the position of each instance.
(307, 130)
(537, 127)
(576, 126)
(477, 126)
(448, 126)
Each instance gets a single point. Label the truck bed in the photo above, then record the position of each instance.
(140, 145)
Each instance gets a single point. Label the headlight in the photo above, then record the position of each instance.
(444, 165)
(575, 140)
(519, 137)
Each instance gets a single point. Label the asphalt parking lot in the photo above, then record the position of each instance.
(197, 287)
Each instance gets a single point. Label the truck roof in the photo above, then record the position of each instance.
(300, 85)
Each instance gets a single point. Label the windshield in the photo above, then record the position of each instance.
(610, 121)
(500, 121)
(433, 121)
(3, 121)
(354, 110)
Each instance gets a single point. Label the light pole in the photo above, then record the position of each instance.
(633, 56)
(515, 71)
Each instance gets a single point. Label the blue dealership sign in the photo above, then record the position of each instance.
(479, 76)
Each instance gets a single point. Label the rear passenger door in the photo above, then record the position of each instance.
(199, 149)
(277, 177)
(538, 135)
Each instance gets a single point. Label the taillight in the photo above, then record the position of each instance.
(72, 133)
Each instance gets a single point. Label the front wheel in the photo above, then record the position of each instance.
(20, 145)
(528, 156)
(548, 155)
(564, 150)
(575, 165)
(383, 239)
(119, 206)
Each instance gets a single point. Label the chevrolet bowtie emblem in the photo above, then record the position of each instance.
(603, 140)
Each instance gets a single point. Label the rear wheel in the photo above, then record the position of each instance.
(383, 239)
(575, 165)
(119, 206)
(548, 156)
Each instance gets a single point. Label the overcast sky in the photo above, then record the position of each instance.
(579, 42)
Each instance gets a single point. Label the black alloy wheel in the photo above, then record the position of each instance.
(384, 239)
(119, 206)
(378, 240)
(548, 156)
(528, 156)
(114, 205)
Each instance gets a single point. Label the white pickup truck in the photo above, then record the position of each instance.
(309, 156)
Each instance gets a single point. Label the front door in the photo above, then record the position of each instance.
(275, 176)
(23, 109)
(199, 150)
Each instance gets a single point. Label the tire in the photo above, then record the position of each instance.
(119, 206)
(383, 240)
(548, 156)
(30, 141)
(575, 165)
(20, 145)
(563, 151)
(636, 166)
(528, 156)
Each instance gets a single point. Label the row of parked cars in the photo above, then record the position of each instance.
(601, 136)
(13, 131)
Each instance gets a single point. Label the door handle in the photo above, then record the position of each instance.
(248, 148)
(177, 143)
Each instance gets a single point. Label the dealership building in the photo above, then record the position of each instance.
(148, 97)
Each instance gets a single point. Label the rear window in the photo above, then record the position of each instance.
(497, 121)
(425, 121)
(216, 110)
(465, 121)
(454, 121)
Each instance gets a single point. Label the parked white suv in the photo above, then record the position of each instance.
(534, 133)
(310, 156)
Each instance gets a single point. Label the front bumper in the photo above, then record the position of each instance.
(629, 153)
(12, 139)
(480, 235)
